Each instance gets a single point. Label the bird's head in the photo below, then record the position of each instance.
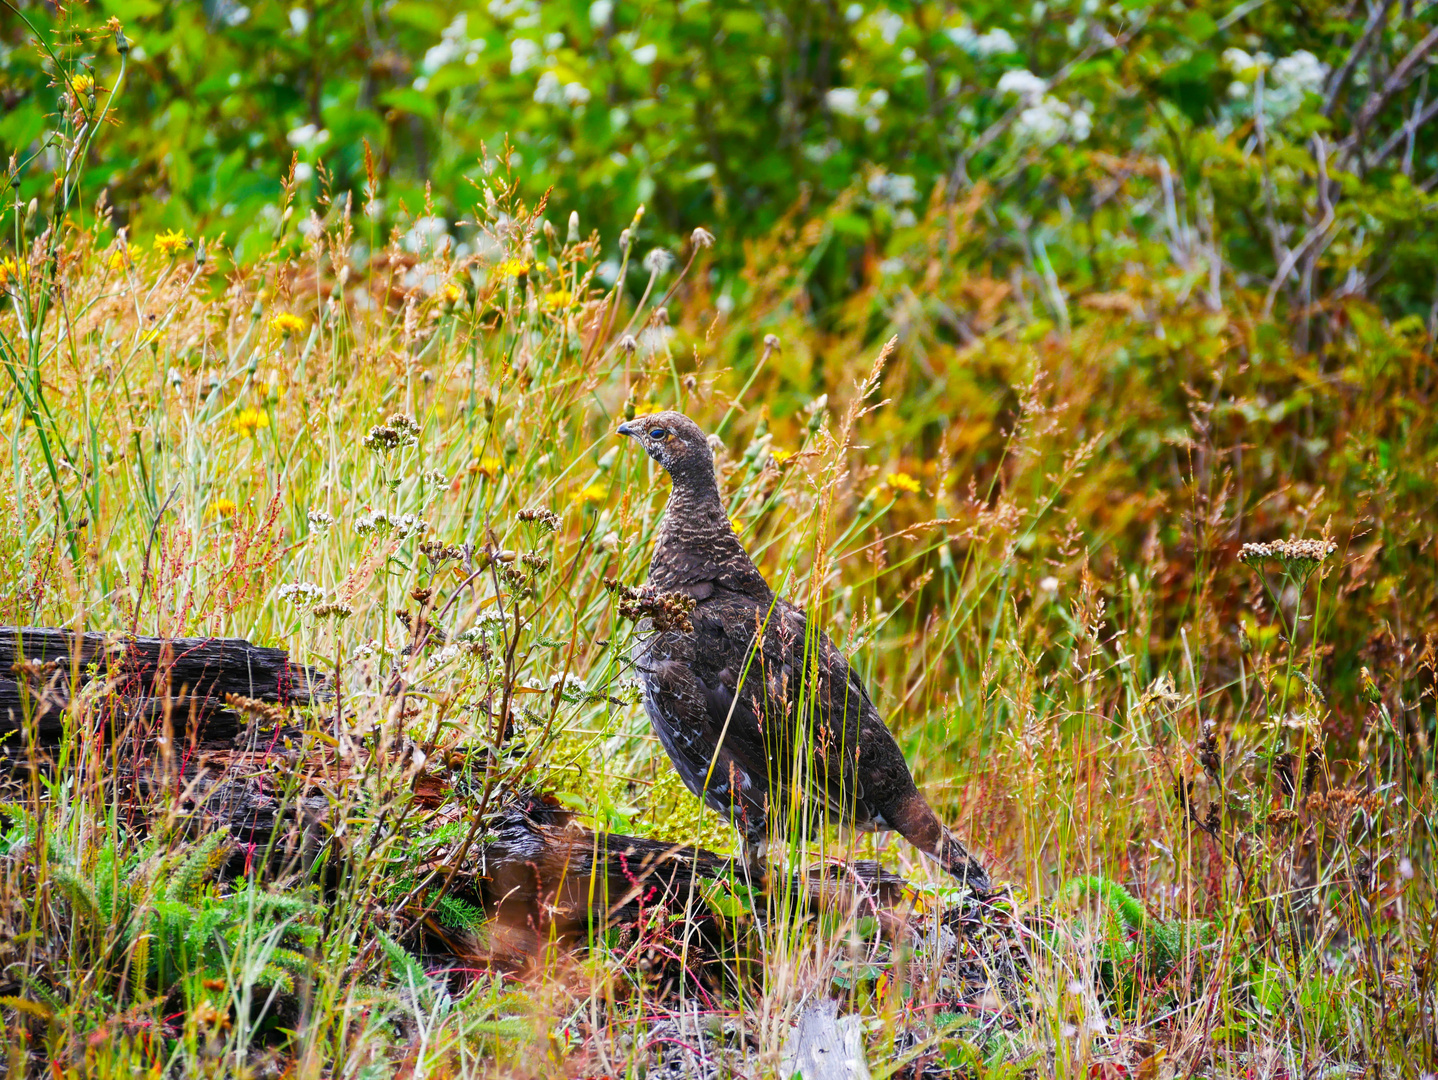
(673, 440)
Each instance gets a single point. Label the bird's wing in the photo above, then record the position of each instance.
(683, 699)
(776, 682)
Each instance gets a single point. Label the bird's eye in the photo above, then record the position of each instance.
(658, 433)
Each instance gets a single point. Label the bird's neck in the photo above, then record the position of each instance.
(697, 545)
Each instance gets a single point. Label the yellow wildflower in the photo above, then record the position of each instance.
(901, 481)
(512, 268)
(559, 298)
(736, 524)
(285, 323)
(248, 421)
(118, 259)
(592, 493)
(488, 465)
(9, 272)
(83, 84)
(168, 243)
(223, 508)
(453, 294)
(780, 456)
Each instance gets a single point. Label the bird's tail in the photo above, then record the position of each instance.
(917, 823)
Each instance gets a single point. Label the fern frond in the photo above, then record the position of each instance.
(198, 866)
(459, 914)
(77, 891)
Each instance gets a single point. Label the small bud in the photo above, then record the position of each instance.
(573, 227)
(771, 342)
(701, 238)
(122, 43)
(1371, 693)
(661, 316)
(550, 233)
(200, 253)
(30, 212)
(624, 240)
(628, 344)
(1245, 643)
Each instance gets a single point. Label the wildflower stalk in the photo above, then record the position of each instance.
(33, 395)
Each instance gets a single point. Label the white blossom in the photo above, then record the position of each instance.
(1022, 83)
(302, 593)
(1301, 71)
(523, 54)
(376, 521)
(308, 136)
(997, 42)
(843, 100)
(897, 188)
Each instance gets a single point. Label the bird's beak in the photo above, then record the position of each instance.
(627, 429)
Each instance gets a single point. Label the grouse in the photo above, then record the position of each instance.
(756, 707)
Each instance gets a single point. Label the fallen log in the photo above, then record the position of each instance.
(543, 881)
(125, 680)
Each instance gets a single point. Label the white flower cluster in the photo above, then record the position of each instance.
(302, 593)
(1289, 553)
(550, 91)
(523, 53)
(443, 656)
(454, 42)
(1286, 81)
(486, 625)
(523, 13)
(374, 522)
(407, 525)
(368, 649)
(319, 520)
(570, 686)
(377, 521)
(1044, 118)
(429, 233)
(848, 101)
(896, 188)
(308, 137)
(997, 42)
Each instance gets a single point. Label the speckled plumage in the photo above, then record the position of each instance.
(756, 728)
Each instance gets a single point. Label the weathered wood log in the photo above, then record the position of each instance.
(824, 1047)
(542, 880)
(138, 680)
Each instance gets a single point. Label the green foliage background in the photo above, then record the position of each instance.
(728, 114)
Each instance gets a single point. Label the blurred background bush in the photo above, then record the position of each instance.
(1247, 142)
